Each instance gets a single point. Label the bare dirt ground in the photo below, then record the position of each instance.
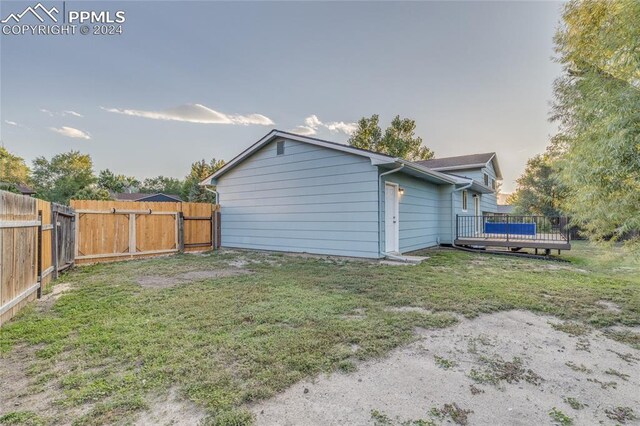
(509, 368)
(164, 281)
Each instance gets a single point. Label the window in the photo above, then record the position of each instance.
(464, 200)
(280, 148)
(486, 180)
(493, 184)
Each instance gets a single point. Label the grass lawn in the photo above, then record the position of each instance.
(109, 344)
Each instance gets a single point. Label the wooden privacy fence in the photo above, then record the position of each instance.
(34, 243)
(116, 230)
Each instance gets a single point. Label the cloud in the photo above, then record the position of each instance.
(196, 113)
(304, 131)
(12, 123)
(75, 114)
(312, 123)
(71, 132)
(61, 114)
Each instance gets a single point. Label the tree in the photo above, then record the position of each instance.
(116, 183)
(92, 193)
(13, 169)
(63, 176)
(165, 185)
(597, 100)
(399, 139)
(199, 171)
(539, 190)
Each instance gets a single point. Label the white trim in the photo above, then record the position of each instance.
(465, 200)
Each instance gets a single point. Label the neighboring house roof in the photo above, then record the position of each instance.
(24, 189)
(377, 159)
(139, 196)
(505, 209)
(462, 162)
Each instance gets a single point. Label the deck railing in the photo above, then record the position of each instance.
(513, 228)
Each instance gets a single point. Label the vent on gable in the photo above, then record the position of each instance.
(280, 148)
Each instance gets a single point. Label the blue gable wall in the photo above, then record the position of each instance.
(311, 199)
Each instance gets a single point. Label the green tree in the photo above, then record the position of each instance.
(13, 170)
(199, 171)
(165, 185)
(597, 100)
(60, 178)
(539, 190)
(116, 183)
(399, 139)
(92, 193)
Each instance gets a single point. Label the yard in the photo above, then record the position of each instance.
(215, 337)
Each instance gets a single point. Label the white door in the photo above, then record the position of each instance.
(476, 210)
(391, 218)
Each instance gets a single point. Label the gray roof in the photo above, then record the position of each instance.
(459, 161)
(137, 196)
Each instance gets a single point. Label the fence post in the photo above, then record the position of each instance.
(54, 240)
(181, 232)
(132, 233)
(507, 228)
(457, 226)
(39, 259)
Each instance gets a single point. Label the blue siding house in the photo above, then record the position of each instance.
(294, 193)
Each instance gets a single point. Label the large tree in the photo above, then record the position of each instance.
(116, 183)
(399, 139)
(163, 184)
(13, 170)
(199, 171)
(60, 178)
(597, 108)
(539, 190)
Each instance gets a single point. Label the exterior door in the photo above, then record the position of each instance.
(476, 212)
(391, 218)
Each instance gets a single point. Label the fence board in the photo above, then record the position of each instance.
(18, 254)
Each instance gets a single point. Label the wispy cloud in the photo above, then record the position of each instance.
(12, 123)
(71, 132)
(312, 123)
(61, 114)
(196, 113)
(75, 114)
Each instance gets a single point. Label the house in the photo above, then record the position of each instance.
(294, 193)
(139, 196)
(19, 187)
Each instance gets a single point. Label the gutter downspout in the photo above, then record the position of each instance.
(380, 208)
(213, 191)
(453, 216)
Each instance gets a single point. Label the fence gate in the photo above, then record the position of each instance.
(63, 220)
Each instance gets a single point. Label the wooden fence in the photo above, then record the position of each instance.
(116, 230)
(33, 246)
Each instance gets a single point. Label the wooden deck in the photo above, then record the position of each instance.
(513, 241)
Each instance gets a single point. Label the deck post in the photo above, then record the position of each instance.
(457, 226)
(507, 228)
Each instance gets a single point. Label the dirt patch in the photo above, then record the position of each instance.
(502, 369)
(608, 306)
(170, 410)
(417, 309)
(167, 281)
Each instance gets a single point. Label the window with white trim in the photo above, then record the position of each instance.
(464, 200)
(486, 179)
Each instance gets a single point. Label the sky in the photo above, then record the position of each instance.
(192, 80)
